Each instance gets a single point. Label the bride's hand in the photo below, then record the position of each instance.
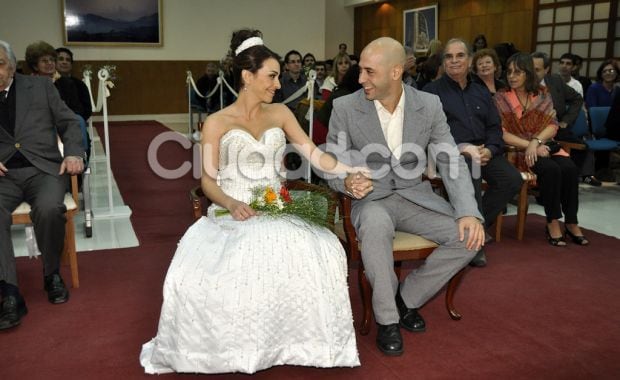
(240, 210)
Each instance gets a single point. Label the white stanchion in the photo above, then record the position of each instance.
(103, 92)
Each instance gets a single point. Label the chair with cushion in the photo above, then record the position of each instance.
(21, 215)
(406, 247)
(598, 117)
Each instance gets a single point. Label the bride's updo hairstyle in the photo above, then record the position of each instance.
(248, 53)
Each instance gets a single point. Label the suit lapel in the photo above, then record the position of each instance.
(24, 91)
(369, 124)
(413, 120)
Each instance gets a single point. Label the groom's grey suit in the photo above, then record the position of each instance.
(400, 199)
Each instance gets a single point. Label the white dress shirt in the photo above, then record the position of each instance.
(392, 124)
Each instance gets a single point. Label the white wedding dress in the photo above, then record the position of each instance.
(246, 296)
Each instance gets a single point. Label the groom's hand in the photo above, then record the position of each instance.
(475, 238)
(358, 185)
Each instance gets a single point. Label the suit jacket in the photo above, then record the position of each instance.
(41, 116)
(355, 122)
(566, 101)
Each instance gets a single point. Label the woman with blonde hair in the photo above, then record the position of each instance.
(341, 65)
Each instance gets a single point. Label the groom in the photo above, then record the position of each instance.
(389, 127)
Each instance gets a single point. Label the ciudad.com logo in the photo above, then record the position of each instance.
(255, 161)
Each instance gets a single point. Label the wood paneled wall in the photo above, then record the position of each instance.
(146, 87)
(499, 20)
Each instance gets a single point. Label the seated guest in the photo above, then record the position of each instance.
(485, 65)
(291, 81)
(308, 62)
(321, 74)
(528, 120)
(432, 69)
(567, 104)
(477, 131)
(567, 64)
(64, 66)
(41, 59)
(600, 92)
(32, 115)
(341, 64)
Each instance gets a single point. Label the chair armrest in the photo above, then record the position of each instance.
(196, 196)
(349, 230)
(567, 146)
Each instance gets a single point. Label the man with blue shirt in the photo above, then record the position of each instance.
(476, 128)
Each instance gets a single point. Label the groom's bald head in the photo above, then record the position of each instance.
(381, 68)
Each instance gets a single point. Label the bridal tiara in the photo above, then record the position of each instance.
(248, 43)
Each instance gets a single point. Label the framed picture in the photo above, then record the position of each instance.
(420, 27)
(112, 22)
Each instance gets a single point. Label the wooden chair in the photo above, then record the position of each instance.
(21, 215)
(406, 247)
(529, 181)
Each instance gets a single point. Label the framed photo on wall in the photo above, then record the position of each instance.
(420, 27)
(112, 22)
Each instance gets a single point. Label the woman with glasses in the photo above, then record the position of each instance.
(529, 122)
(600, 94)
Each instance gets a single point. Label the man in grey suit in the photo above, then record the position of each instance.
(32, 116)
(389, 127)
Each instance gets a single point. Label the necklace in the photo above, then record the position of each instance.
(524, 104)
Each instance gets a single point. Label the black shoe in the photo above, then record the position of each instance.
(12, 310)
(591, 180)
(410, 319)
(579, 240)
(389, 340)
(480, 260)
(556, 242)
(56, 290)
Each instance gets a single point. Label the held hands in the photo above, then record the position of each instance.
(3, 170)
(475, 239)
(71, 165)
(359, 183)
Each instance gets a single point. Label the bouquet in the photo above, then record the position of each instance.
(311, 207)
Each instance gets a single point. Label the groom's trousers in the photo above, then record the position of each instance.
(375, 223)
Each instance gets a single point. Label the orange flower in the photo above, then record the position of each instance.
(270, 195)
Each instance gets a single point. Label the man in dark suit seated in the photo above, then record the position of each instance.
(32, 116)
(567, 104)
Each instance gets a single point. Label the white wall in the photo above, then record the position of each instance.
(195, 29)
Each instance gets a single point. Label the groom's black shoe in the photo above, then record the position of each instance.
(56, 290)
(12, 309)
(389, 340)
(410, 319)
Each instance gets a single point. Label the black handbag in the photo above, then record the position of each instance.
(554, 146)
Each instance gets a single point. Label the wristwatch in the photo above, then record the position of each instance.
(540, 142)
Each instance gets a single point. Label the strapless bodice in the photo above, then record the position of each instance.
(245, 162)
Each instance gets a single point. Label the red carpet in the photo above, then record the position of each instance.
(535, 312)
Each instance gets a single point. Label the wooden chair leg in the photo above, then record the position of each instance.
(522, 211)
(451, 289)
(366, 294)
(69, 254)
(499, 221)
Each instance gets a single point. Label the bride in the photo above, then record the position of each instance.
(245, 292)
